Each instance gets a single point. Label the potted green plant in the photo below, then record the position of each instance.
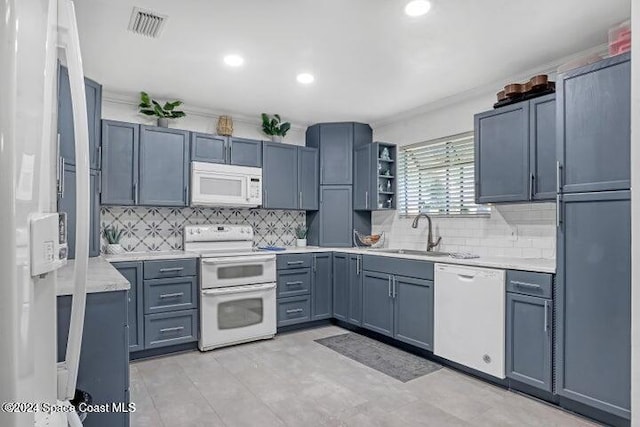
(275, 127)
(301, 236)
(113, 235)
(151, 107)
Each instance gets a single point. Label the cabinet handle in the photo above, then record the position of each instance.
(186, 201)
(322, 175)
(357, 265)
(315, 262)
(558, 210)
(135, 193)
(558, 177)
(174, 295)
(296, 283)
(61, 177)
(294, 310)
(531, 186)
(525, 284)
(171, 269)
(389, 286)
(300, 199)
(295, 262)
(176, 329)
(395, 292)
(546, 316)
(99, 157)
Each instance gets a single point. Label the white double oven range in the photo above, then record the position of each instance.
(237, 285)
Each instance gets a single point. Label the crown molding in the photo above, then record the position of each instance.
(488, 88)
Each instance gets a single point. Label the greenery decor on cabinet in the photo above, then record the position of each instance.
(301, 236)
(151, 107)
(112, 234)
(275, 127)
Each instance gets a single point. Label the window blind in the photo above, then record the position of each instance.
(437, 177)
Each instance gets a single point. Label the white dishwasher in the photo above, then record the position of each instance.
(469, 317)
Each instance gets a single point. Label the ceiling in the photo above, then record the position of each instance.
(370, 60)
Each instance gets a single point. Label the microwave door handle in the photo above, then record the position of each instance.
(239, 289)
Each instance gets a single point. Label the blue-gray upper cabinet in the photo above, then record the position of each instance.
(67, 204)
(93, 94)
(208, 148)
(120, 143)
(543, 147)
(322, 286)
(413, 311)
(340, 286)
(529, 340)
(308, 178)
(355, 290)
(502, 154)
(280, 176)
(104, 357)
(594, 300)
(132, 271)
(364, 178)
(245, 152)
(594, 112)
(335, 216)
(164, 167)
(377, 302)
(336, 142)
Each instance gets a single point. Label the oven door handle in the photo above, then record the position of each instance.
(237, 260)
(239, 289)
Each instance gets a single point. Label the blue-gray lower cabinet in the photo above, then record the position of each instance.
(413, 311)
(294, 310)
(594, 300)
(104, 355)
(208, 148)
(322, 286)
(377, 302)
(172, 294)
(529, 340)
(132, 271)
(245, 152)
(341, 286)
(164, 167)
(120, 142)
(355, 290)
(67, 204)
(170, 328)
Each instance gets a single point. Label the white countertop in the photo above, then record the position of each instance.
(539, 265)
(101, 277)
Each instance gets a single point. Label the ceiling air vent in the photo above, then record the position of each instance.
(146, 23)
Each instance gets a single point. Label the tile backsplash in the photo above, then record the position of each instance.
(160, 229)
(519, 230)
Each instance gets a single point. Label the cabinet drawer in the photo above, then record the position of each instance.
(294, 282)
(398, 266)
(164, 329)
(171, 294)
(294, 310)
(169, 268)
(528, 283)
(287, 261)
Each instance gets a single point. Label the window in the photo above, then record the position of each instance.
(437, 177)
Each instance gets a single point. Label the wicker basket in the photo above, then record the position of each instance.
(225, 126)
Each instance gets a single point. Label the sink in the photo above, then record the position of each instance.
(413, 252)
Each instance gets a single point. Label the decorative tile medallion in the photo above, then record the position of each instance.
(160, 229)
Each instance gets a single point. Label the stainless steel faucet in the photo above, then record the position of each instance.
(430, 243)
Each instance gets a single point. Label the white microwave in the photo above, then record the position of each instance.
(214, 184)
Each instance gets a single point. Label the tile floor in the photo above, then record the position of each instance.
(294, 381)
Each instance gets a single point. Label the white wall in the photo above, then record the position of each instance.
(635, 215)
(115, 108)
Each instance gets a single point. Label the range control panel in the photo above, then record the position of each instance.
(217, 233)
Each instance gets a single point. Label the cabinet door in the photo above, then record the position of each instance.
(336, 153)
(245, 152)
(308, 178)
(93, 94)
(529, 340)
(502, 154)
(363, 176)
(340, 286)
(594, 308)
(355, 290)
(322, 286)
(119, 163)
(132, 271)
(164, 167)
(377, 302)
(67, 204)
(543, 147)
(594, 126)
(413, 311)
(336, 216)
(208, 148)
(280, 176)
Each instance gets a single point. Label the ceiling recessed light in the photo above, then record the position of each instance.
(305, 78)
(417, 8)
(234, 60)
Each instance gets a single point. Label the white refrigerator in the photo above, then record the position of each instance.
(34, 35)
